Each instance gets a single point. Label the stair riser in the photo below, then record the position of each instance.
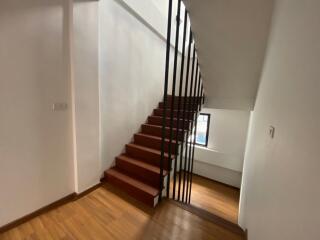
(176, 99)
(156, 131)
(131, 190)
(159, 112)
(176, 106)
(158, 121)
(148, 157)
(149, 177)
(153, 143)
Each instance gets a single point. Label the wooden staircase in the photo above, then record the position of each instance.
(137, 171)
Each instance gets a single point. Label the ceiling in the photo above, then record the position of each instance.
(231, 38)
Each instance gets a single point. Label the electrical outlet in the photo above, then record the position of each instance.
(272, 131)
(59, 107)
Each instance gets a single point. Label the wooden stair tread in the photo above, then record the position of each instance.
(147, 149)
(175, 110)
(154, 137)
(141, 164)
(167, 128)
(182, 98)
(176, 104)
(133, 182)
(168, 118)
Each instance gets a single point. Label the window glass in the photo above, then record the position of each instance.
(203, 129)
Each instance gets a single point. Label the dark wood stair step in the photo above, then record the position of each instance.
(157, 120)
(148, 155)
(137, 189)
(152, 141)
(189, 100)
(169, 97)
(140, 170)
(189, 106)
(159, 112)
(156, 130)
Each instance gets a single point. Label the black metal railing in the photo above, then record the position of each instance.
(165, 96)
(183, 111)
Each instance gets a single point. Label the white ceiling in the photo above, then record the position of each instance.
(231, 38)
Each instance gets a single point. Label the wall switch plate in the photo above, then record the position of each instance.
(272, 131)
(59, 107)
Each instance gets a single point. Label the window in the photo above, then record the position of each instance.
(203, 129)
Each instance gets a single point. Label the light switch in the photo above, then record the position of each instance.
(272, 131)
(59, 107)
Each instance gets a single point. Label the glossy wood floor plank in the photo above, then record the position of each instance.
(217, 198)
(107, 213)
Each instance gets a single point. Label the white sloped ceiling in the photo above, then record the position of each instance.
(231, 38)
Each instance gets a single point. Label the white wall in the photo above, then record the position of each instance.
(222, 160)
(281, 194)
(131, 73)
(86, 94)
(217, 173)
(36, 160)
(228, 131)
(154, 14)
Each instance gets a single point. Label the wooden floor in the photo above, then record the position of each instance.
(107, 213)
(216, 198)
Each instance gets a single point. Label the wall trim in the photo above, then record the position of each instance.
(86, 192)
(38, 212)
(69, 198)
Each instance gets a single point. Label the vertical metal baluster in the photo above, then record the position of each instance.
(184, 110)
(165, 97)
(179, 109)
(188, 120)
(173, 99)
(195, 135)
(202, 96)
(192, 124)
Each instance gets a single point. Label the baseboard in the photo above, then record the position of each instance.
(38, 212)
(69, 198)
(89, 190)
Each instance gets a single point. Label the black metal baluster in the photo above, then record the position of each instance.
(173, 99)
(179, 108)
(195, 135)
(202, 96)
(194, 115)
(188, 120)
(200, 92)
(184, 112)
(165, 97)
